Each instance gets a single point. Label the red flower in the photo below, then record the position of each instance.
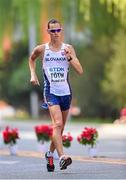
(43, 132)
(88, 136)
(10, 135)
(67, 138)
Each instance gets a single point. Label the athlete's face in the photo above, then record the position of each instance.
(55, 30)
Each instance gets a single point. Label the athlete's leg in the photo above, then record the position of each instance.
(57, 120)
(64, 119)
(64, 116)
(65, 102)
(52, 146)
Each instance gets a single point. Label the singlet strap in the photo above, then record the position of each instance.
(64, 45)
(46, 46)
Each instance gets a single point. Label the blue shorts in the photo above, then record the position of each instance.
(63, 101)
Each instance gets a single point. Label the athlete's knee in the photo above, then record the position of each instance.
(58, 125)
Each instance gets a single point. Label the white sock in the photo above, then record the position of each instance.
(49, 153)
(61, 157)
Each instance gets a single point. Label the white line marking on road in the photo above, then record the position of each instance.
(9, 162)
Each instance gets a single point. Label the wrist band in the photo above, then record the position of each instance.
(70, 58)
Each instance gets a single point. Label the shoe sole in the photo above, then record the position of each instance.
(50, 170)
(68, 161)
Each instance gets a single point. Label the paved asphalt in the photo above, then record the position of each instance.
(29, 163)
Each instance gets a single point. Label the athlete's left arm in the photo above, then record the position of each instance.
(72, 58)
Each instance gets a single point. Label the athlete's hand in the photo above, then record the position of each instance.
(34, 80)
(67, 51)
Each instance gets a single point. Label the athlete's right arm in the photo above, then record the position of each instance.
(37, 51)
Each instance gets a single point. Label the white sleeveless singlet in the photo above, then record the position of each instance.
(55, 68)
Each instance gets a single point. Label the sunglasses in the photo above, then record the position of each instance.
(55, 30)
